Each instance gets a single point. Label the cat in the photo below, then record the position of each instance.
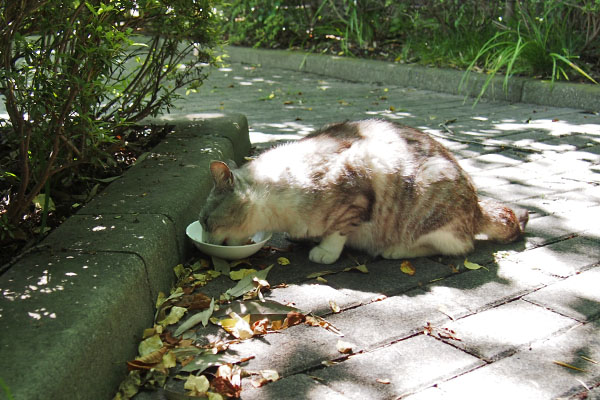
(374, 185)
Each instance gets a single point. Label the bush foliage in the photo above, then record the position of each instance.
(557, 39)
(76, 73)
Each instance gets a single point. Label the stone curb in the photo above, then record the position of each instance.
(73, 312)
(518, 90)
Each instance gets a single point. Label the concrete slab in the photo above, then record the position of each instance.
(298, 386)
(398, 369)
(501, 331)
(577, 296)
(533, 373)
(394, 318)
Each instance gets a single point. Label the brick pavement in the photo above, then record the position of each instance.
(536, 302)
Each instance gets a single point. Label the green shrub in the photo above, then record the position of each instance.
(76, 73)
(539, 41)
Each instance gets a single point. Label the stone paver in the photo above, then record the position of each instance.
(530, 293)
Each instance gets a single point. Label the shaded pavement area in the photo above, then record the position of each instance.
(526, 325)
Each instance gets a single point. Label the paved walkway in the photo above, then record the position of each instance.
(525, 326)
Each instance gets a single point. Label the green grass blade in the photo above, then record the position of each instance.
(572, 65)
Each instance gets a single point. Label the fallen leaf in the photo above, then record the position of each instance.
(320, 274)
(195, 319)
(197, 385)
(321, 279)
(130, 386)
(180, 271)
(221, 265)
(383, 381)
(150, 345)
(196, 301)
(407, 268)
(473, 266)
(238, 326)
(264, 377)
(314, 320)
(246, 284)
(360, 268)
(214, 396)
(169, 360)
(174, 316)
(294, 318)
(269, 374)
(334, 307)
(209, 359)
(283, 261)
(240, 274)
(344, 347)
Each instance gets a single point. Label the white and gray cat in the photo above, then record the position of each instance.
(373, 185)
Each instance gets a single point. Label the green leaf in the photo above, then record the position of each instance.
(221, 265)
(247, 283)
(207, 360)
(195, 319)
(473, 266)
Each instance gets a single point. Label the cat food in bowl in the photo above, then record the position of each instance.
(194, 232)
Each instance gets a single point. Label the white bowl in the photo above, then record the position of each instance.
(194, 232)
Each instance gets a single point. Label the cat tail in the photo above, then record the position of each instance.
(501, 223)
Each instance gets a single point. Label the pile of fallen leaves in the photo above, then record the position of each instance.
(169, 354)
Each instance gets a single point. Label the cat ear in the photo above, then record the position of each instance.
(222, 175)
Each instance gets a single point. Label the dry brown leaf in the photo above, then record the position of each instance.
(294, 318)
(344, 347)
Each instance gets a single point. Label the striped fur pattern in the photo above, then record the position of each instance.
(387, 189)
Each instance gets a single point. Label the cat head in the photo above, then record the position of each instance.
(224, 217)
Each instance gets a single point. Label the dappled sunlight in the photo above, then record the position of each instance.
(553, 127)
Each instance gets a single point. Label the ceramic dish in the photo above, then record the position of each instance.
(194, 232)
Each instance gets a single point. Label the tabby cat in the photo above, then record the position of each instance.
(373, 185)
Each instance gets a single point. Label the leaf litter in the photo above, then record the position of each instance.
(172, 352)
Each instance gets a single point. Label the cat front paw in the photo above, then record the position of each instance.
(323, 256)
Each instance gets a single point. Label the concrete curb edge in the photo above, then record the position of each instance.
(73, 310)
(518, 90)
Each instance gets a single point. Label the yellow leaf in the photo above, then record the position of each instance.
(407, 268)
(174, 316)
(197, 384)
(238, 326)
(321, 279)
(320, 273)
(473, 266)
(169, 360)
(150, 345)
(213, 396)
(180, 271)
(361, 268)
(276, 325)
(283, 261)
(392, 108)
(238, 275)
